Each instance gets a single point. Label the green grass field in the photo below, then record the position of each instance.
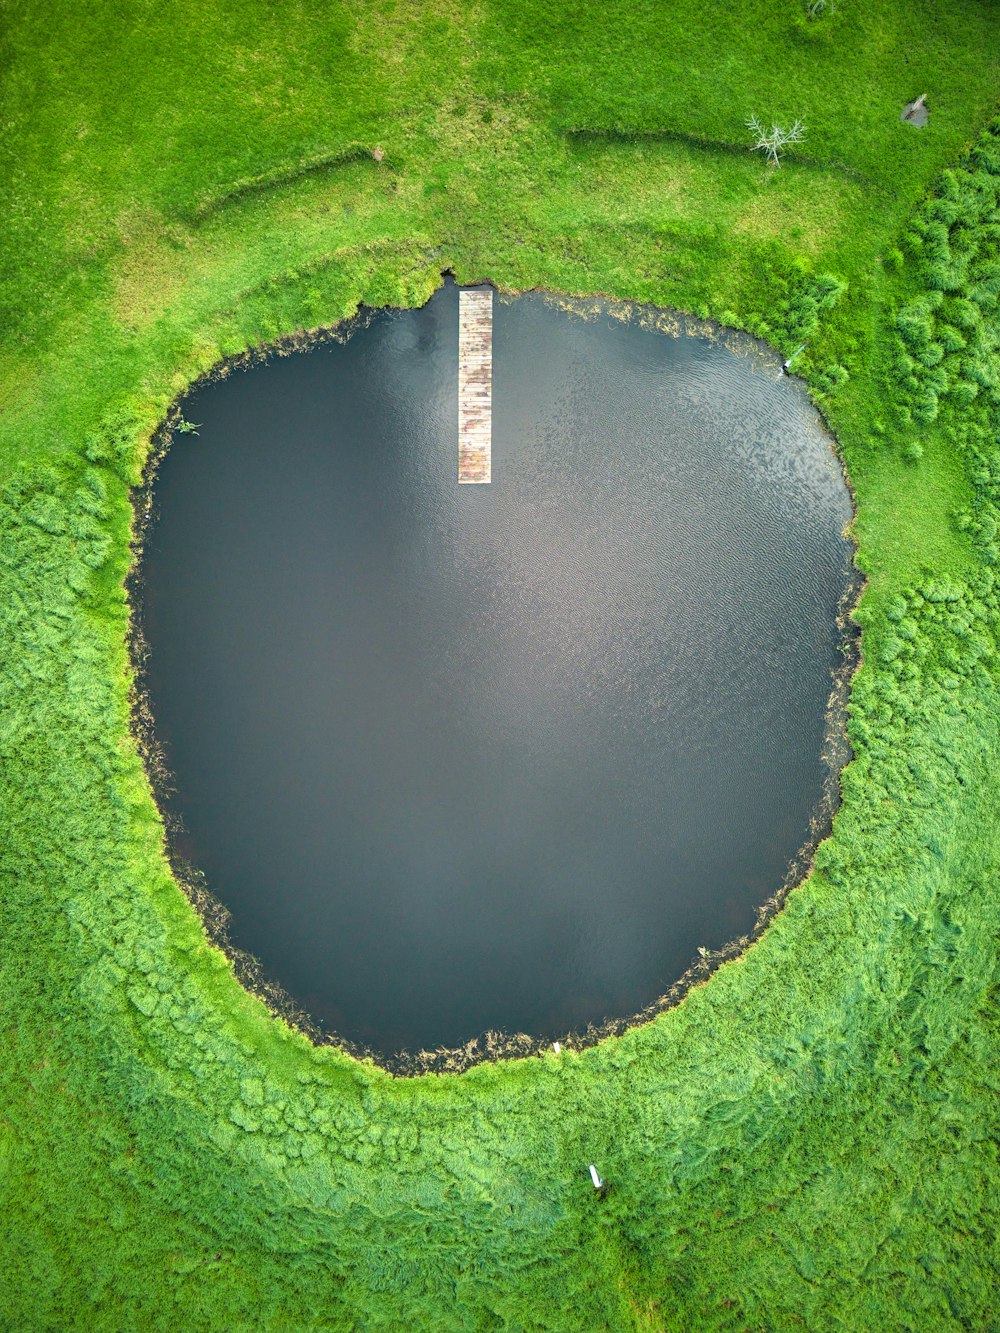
(808, 1141)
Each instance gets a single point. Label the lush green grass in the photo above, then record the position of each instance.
(808, 1140)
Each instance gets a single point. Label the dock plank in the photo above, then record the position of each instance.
(475, 386)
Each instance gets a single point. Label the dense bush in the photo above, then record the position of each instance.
(947, 356)
(949, 333)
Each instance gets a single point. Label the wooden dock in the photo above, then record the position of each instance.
(475, 385)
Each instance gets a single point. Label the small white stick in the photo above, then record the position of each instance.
(598, 1182)
(556, 1047)
(786, 364)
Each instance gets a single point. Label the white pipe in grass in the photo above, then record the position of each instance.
(598, 1182)
(786, 364)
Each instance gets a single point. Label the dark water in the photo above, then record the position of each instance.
(460, 758)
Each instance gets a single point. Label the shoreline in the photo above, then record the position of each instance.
(215, 917)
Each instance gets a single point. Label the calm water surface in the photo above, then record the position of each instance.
(460, 758)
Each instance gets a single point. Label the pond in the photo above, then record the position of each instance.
(460, 758)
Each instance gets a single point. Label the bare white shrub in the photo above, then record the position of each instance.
(774, 141)
(816, 7)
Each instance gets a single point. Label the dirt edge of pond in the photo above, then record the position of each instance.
(215, 917)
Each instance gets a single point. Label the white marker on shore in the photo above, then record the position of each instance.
(786, 364)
